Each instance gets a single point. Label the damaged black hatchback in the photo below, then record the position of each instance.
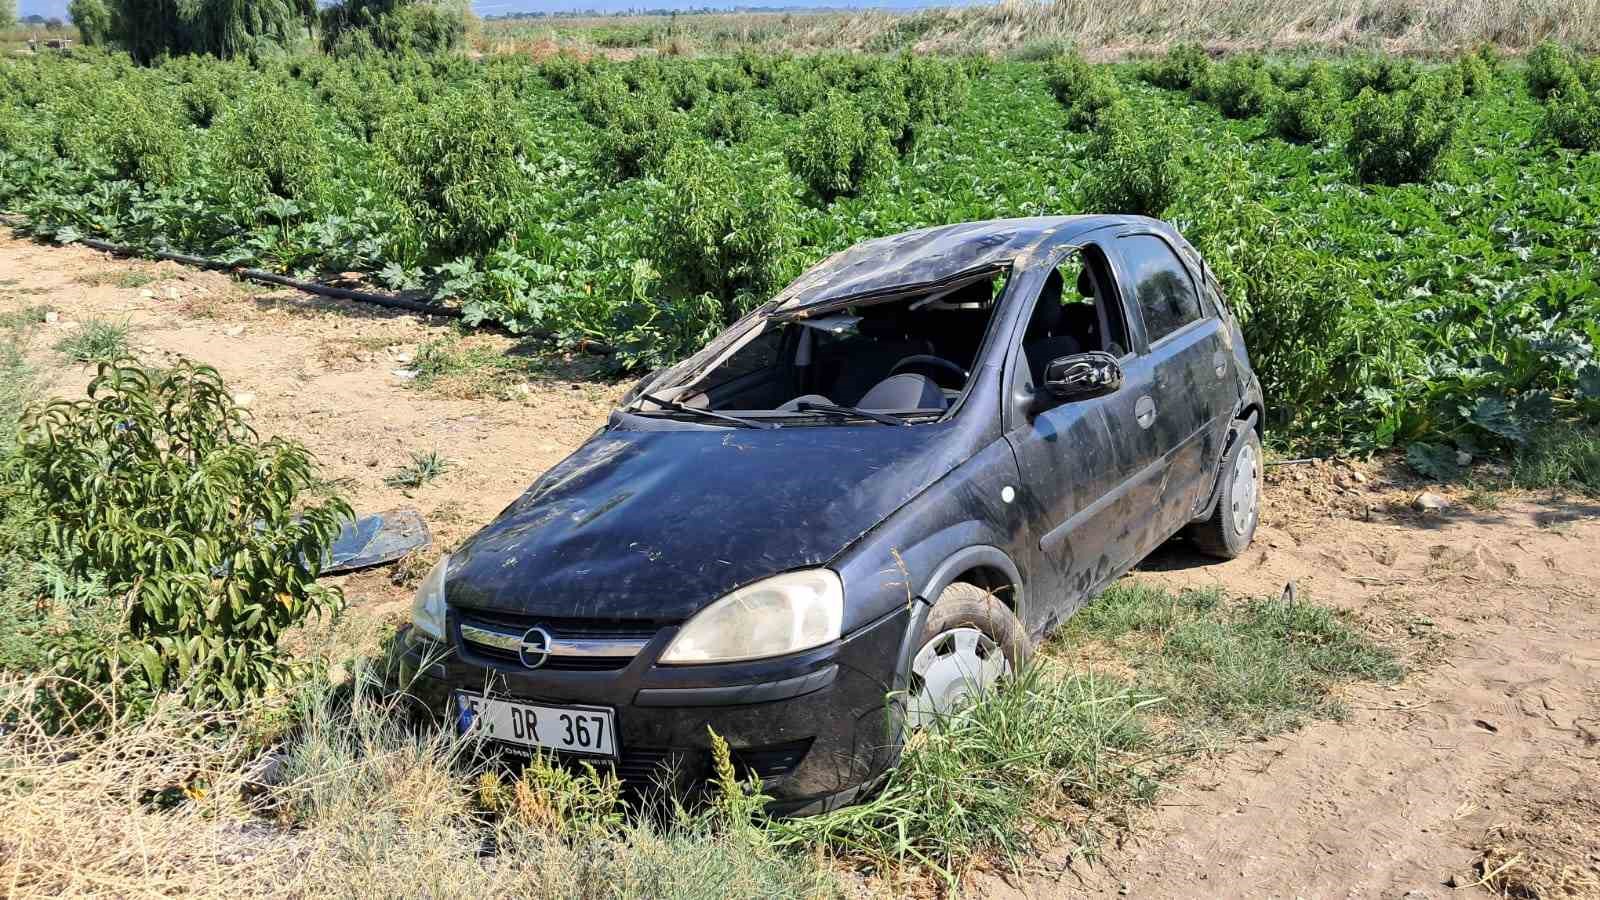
(865, 500)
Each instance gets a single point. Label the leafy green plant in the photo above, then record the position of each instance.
(1183, 67)
(1402, 137)
(455, 164)
(1312, 112)
(1086, 91)
(271, 145)
(1572, 117)
(644, 130)
(156, 486)
(838, 150)
(1241, 87)
(1132, 166)
(1551, 67)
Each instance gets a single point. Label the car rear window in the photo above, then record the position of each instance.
(1167, 297)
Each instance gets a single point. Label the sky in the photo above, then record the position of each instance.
(48, 8)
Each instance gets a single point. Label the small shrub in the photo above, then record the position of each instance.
(796, 88)
(1084, 89)
(1550, 67)
(1313, 111)
(271, 144)
(643, 131)
(729, 117)
(1400, 138)
(1572, 117)
(156, 486)
(1241, 87)
(1383, 74)
(1132, 168)
(1477, 78)
(838, 149)
(1184, 66)
(454, 162)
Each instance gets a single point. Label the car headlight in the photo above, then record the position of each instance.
(783, 614)
(427, 611)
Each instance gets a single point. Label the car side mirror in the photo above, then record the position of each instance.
(1082, 375)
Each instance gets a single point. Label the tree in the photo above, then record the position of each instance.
(425, 26)
(148, 29)
(92, 18)
(8, 13)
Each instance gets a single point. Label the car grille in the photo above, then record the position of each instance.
(595, 644)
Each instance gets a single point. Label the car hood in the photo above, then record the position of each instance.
(656, 524)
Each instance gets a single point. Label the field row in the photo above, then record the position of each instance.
(1412, 247)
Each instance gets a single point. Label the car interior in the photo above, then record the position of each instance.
(908, 355)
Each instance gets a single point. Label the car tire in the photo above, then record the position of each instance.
(969, 641)
(1232, 524)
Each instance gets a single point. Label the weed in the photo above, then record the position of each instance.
(424, 468)
(1241, 87)
(1560, 456)
(1183, 67)
(97, 340)
(1085, 91)
(1402, 137)
(1312, 112)
(1132, 166)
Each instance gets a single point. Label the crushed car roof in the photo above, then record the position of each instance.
(932, 255)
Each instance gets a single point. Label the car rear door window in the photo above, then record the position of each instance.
(1166, 293)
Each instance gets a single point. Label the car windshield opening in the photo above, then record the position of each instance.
(884, 361)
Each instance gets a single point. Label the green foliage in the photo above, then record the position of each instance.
(1132, 166)
(93, 20)
(1402, 137)
(730, 118)
(1560, 456)
(1476, 74)
(1572, 117)
(1241, 87)
(838, 149)
(96, 340)
(150, 29)
(358, 27)
(1381, 74)
(424, 468)
(797, 88)
(455, 164)
(644, 129)
(272, 144)
(1312, 112)
(156, 486)
(1183, 67)
(1085, 91)
(1551, 67)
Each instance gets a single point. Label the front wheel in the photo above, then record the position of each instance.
(1228, 531)
(970, 642)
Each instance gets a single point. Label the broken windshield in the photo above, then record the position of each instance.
(907, 356)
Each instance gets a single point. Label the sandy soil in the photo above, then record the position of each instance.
(1492, 743)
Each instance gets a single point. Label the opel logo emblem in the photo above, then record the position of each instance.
(534, 649)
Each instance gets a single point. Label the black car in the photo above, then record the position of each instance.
(864, 500)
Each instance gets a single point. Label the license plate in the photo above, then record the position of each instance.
(574, 729)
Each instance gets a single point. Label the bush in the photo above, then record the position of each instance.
(455, 164)
(1184, 66)
(1241, 87)
(157, 487)
(1383, 74)
(136, 139)
(729, 117)
(1313, 111)
(837, 148)
(1084, 89)
(1477, 77)
(357, 27)
(271, 144)
(796, 88)
(643, 130)
(1131, 165)
(1402, 137)
(1572, 117)
(1550, 67)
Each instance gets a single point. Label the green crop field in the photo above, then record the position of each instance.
(1412, 246)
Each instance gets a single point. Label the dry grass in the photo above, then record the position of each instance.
(1551, 849)
(1424, 27)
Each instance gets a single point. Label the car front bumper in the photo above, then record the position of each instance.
(815, 726)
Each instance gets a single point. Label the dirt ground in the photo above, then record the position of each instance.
(1483, 761)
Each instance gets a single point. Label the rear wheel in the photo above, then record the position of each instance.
(1228, 531)
(969, 643)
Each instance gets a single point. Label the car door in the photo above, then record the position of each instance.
(1072, 460)
(1186, 416)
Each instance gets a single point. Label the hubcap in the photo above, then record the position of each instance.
(1246, 488)
(949, 670)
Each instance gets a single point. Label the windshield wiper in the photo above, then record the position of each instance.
(677, 407)
(833, 409)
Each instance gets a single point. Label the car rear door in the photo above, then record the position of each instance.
(1191, 388)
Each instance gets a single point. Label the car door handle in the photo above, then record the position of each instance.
(1220, 360)
(1144, 411)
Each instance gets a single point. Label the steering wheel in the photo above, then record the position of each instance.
(935, 366)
